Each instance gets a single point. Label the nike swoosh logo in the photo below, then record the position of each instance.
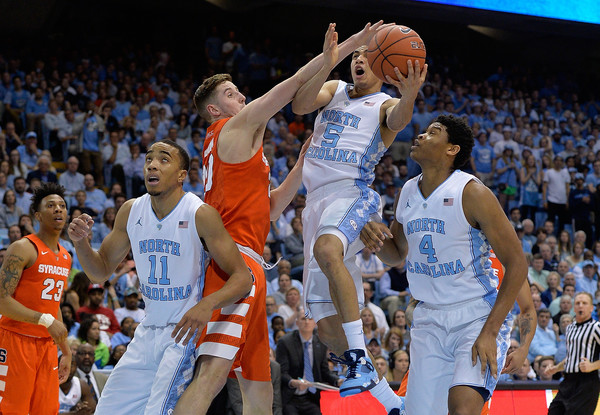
(55, 368)
(44, 252)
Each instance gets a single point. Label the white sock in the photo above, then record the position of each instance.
(354, 335)
(385, 395)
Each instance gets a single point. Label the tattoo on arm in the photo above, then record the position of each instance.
(10, 274)
(525, 322)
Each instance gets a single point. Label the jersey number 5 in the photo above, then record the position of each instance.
(426, 248)
(331, 135)
(50, 283)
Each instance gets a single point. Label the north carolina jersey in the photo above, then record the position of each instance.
(169, 258)
(448, 260)
(240, 192)
(347, 140)
(71, 398)
(40, 287)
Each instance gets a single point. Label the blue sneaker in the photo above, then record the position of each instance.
(361, 375)
(400, 410)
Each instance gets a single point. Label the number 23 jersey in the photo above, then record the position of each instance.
(448, 260)
(40, 287)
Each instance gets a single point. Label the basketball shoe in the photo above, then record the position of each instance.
(361, 375)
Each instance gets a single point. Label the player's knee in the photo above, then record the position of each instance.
(328, 250)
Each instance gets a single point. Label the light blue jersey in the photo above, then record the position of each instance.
(347, 140)
(168, 256)
(448, 260)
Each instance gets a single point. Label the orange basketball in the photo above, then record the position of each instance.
(392, 48)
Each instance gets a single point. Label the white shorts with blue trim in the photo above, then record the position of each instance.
(341, 209)
(441, 339)
(150, 377)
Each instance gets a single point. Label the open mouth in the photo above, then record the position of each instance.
(359, 71)
(153, 179)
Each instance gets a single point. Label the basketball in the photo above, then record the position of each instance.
(391, 48)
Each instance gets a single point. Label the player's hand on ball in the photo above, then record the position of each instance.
(364, 36)
(80, 227)
(194, 320)
(410, 84)
(374, 234)
(485, 348)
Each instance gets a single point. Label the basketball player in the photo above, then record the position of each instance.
(164, 229)
(237, 181)
(32, 278)
(446, 223)
(355, 126)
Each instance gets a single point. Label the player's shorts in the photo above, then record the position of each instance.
(440, 353)
(151, 376)
(240, 330)
(341, 209)
(28, 374)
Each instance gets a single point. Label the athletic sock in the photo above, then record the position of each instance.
(385, 395)
(354, 335)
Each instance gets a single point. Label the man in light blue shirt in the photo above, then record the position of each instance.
(96, 198)
(544, 342)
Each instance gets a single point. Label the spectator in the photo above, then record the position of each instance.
(399, 321)
(75, 397)
(383, 367)
(116, 354)
(370, 328)
(291, 309)
(90, 138)
(550, 260)
(271, 308)
(80, 205)
(297, 395)
(537, 275)
(9, 211)
(71, 179)
(393, 287)
(375, 309)
(294, 243)
(544, 340)
(115, 189)
(371, 267)
(393, 340)
(134, 172)
(507, 177)
(565, 248)
(555, 192)
(102, 229)
(561, 330)
(105, 316)
(528, 227)
(277, 325)
(568, 290)
(581, 205)
(95, 198)
(193, 183)
(89, 332)
(23, 197)
(270, 270)
(77, 294)
(531, 181)
(284, 284)
(553, 291)
(399, 364)
(577, 256)
(115, 156)
(68, 317)
(124, 336)
(374, 347)
(14, 233)
(29, 151)
(565, 304)
(42, 171)
(15, 101)
(86, 370)
(131, 309)
(589, 281)
(578, 392)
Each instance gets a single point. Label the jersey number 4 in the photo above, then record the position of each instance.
(426, 248)
(50, 283)
(164, 280)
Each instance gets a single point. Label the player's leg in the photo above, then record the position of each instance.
(128, 387)
(257, 396)
(45, 393)
(465, 400)
(18, 370)
(210, 377)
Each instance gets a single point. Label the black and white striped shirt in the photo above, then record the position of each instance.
(583, 340)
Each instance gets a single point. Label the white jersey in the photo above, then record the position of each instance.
(71, 399)
(169, 258)
(448, 260)
(347, 140)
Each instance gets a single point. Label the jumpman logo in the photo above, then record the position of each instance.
(407, 204)
(139, 222)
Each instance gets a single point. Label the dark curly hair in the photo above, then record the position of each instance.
(46, 189)
(460, 134)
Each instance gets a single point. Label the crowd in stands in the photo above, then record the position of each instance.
(86, 122)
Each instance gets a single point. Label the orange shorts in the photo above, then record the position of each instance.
(239, 330)
(28, 374)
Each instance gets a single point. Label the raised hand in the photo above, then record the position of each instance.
(80, 227)
(409, 85)
(330, 47)
(364, 36)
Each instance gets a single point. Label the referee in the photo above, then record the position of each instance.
(578, 392)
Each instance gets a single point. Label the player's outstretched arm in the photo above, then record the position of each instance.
(226, 254)
(527, 327)
(483, 211)
(316, 93)
(398, 113)
(100, 265)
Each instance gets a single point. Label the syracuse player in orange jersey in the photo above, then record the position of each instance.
(527, 326)
(32, 279)
(236, 183)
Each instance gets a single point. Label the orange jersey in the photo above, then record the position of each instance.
(40, 287)
(240, 192)
(497, 267)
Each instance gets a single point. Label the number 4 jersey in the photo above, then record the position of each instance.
(448, 260)
(40, 287)
(169, 258)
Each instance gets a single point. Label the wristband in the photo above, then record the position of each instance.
(46, 320)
